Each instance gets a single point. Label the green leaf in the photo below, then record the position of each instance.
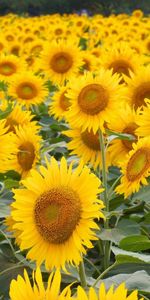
(139, 280)
(143, 194)
(135, 243)
(124, 228)
(123, 256)
(10, 183)
(121, 136)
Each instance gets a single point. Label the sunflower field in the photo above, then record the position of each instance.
(75, 157)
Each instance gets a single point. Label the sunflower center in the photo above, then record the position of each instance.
(64, 101)
(61, 62)
(26, 156)
(11, 123)
(86, 65)
(7, 68)
(92, 99)
(141, 92)
(1, 46)
(57, 213)
(138, 164)
(130, 129)
(15, 50)
(91, 140)
(26, 91)
(121, 66)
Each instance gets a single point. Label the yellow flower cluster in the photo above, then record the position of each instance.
(92, 73)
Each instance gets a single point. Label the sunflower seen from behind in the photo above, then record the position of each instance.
(59, 205)
(21, 288)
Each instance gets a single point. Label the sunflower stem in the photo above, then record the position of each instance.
(104, 273)
(82, 275)
(106, 200)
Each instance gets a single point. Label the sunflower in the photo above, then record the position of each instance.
(7, 143)
(26, 154)
(124, 120)
(21, 288)
(143, 121)
(28, 89)
(135, 168)
(9, 223)
(60, 103)
(139, 87)
(36, 47)
(121, 59)
(15, 48)
(59, 206)
(89, 62)
(18, 116)
(60, 60)
(9, 66)
(119, 293)
(3, 101)
(3, 44)
(86, 145)
(93, 99)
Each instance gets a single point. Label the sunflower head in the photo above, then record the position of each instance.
(61, 210)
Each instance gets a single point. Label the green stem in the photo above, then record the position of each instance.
(106, 200)
(143, 296)
(82, 274)
(111, 190)
(104, 273)
(19, 265)
(104, 176)
(90, 263)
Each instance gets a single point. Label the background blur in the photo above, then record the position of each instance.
(106, 7)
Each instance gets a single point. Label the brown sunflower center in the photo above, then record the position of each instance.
(7, 68)
(87, 65)
(91, 140)
(92, 99)
(57, 213)
(26, 156)
(1, 46)
(58, 31)
(141, 92)
(15, 50)
(26, 90)
(130, 129)
(61, 62)
(138, 164)
(121, 66)
(11, 123)
(148, 46)
(64, 101)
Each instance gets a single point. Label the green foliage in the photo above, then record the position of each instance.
(65, 6)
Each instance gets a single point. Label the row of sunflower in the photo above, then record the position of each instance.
(75, 149)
